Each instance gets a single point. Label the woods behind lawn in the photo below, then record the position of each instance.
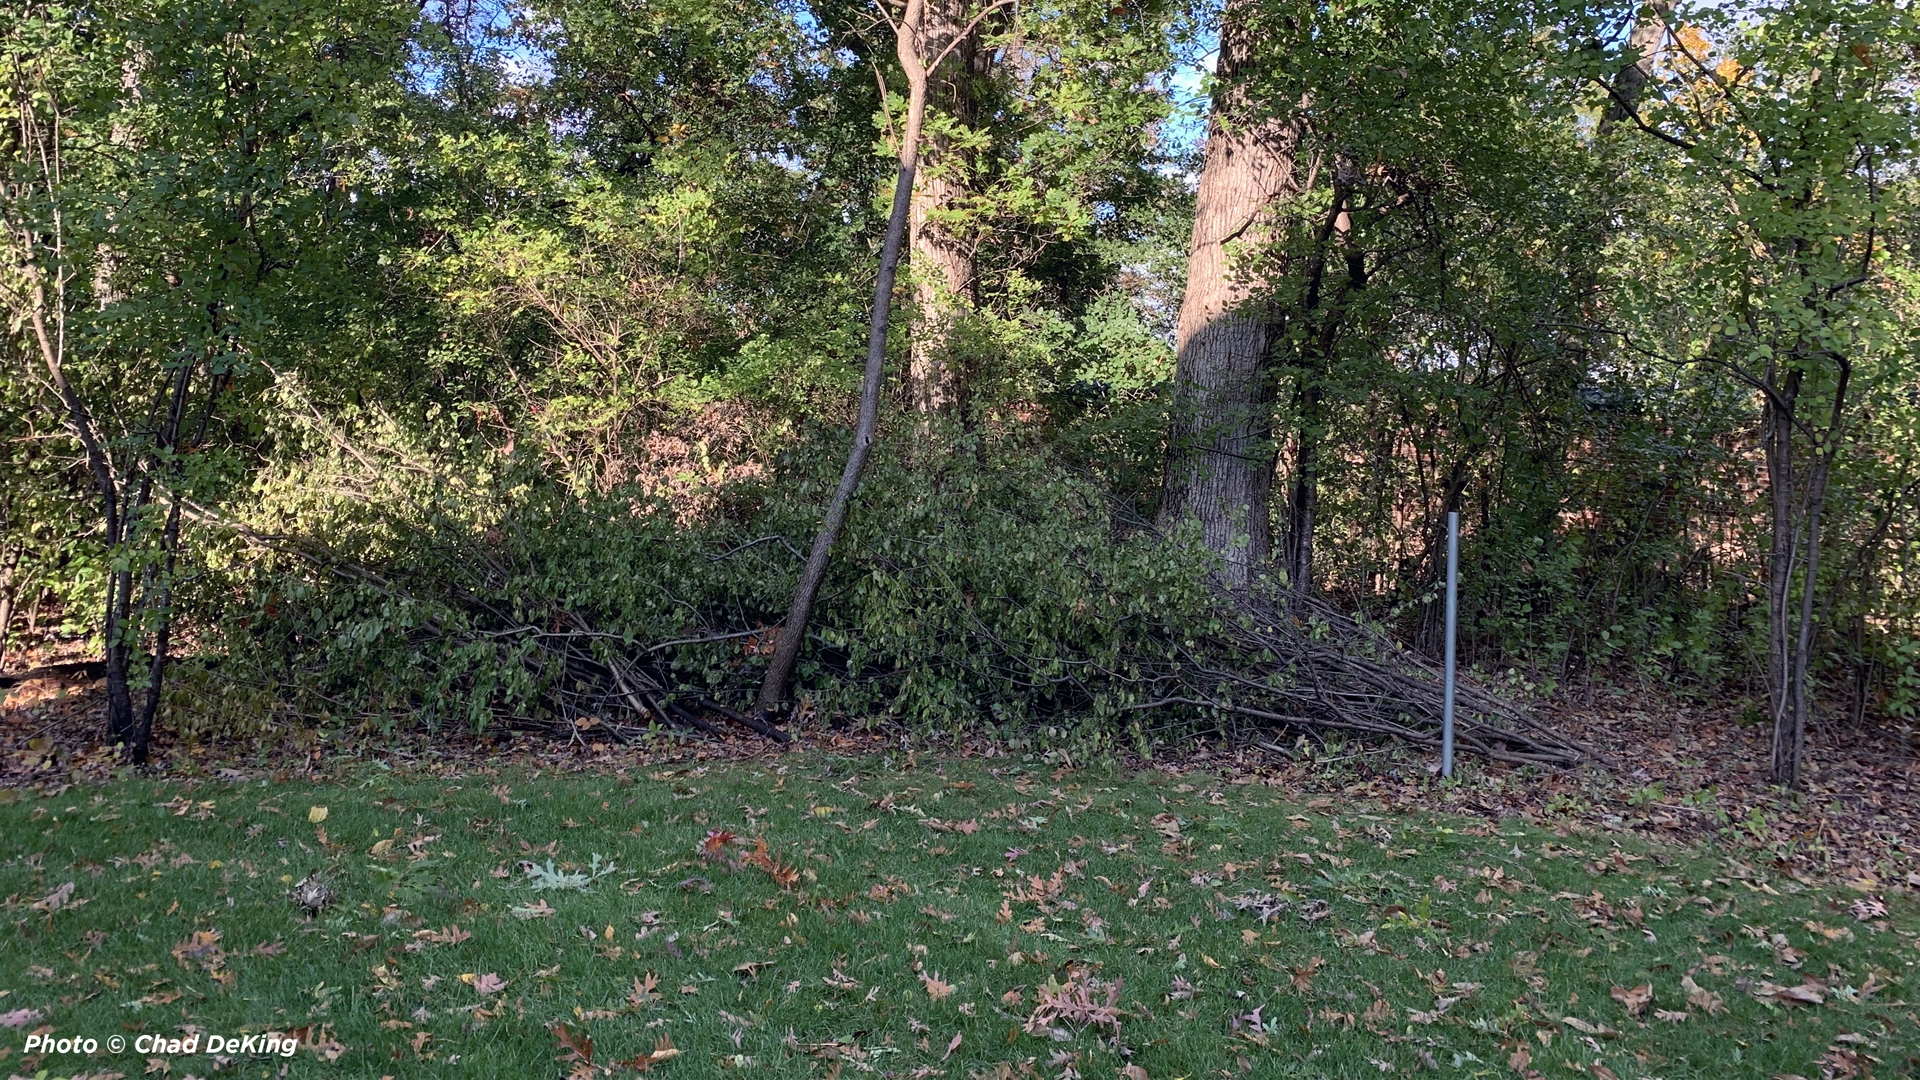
(920, 921)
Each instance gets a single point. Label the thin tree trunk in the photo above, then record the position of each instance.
(162, 637)
(9, 567)
(1303, 497)
(1800, 691)
(942, 261)
(1803, 641)
(118, 658)
(1220, 444)
(1777, 437)
(909, 44)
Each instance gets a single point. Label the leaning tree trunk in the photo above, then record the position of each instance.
(941, 256)
(1220, 452)
(911, 46)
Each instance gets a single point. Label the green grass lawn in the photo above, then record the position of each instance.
(934, 921)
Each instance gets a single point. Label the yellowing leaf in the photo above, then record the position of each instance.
(316, 814)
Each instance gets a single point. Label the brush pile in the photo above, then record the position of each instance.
(1003, 594)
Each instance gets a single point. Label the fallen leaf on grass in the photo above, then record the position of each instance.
(1843, 1064)
(1635, 1000)
(325, 1045)
(1700, 997)
(489, 983)
(1803, 994)
(783, 874)
(1871, 908)
(539, 909)
(840, 980)
(574, 1045)
(1585, 1028)
(713, 846)
(316, 814)
(936, 988)
(202, 946)
(663, 1050)
(20, 1018)
(1303, 976)
(56, 899)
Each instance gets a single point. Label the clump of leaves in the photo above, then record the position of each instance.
(1084, 1000)
(312, 894)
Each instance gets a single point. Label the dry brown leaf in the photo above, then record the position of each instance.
(1702, 998)
(937, 989)
(1636, 999)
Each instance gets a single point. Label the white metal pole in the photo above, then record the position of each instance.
(1453, 612)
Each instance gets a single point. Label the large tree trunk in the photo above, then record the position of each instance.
(1649, 31)
(941, 255)
(1220, 441)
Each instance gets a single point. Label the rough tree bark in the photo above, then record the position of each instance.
(911, 45)
(942, 260)
(1649, 31)
(1220, 446)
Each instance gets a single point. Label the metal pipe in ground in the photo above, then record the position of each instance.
(1453, 617)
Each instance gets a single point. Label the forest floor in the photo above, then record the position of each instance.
(960, 912)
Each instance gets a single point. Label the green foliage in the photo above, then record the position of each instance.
(418, 572)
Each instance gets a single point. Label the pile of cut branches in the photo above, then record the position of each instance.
(1293, 662)
(1270, 662)
(998, 592)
